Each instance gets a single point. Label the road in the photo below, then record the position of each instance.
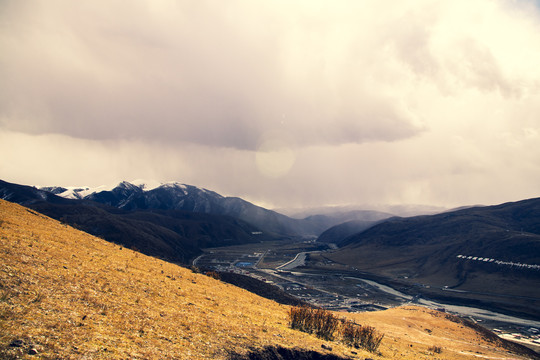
(194, 262)
(299, 260)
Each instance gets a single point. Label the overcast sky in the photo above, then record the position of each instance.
(284, 103)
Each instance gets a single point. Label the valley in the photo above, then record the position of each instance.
(304, 270)
(479, 263)
(66, 294)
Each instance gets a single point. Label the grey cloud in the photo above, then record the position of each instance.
(475, 66)
(415, 101)
(205, 75)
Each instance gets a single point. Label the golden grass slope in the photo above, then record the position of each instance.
(70, 295)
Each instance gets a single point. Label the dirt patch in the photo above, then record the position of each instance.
(281, 353)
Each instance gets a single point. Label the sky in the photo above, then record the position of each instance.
(283, 103)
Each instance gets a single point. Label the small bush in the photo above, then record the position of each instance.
(213, 274)
(324, 324)
(318, 321)
(360, 336)
(435, 349)
(370, 339)
(300, 318)
(350, 333)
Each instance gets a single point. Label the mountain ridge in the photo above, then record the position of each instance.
(178, 196)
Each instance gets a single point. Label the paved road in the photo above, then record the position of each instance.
(194, 263)
(299, 260)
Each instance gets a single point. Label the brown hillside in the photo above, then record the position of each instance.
(69, 295)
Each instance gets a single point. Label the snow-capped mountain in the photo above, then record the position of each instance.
(172, 195)
(121, 191)
(147, 195)
(175, 235)
(73, 192)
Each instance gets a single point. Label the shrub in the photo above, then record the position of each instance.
(361, 336)
(318, 321)
(324, 324)
(350, 333)
(300, 318)
(213, 274)
(370, 339)
(435, 349)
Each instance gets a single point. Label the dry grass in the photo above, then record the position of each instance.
(74, 296)
(413, 332)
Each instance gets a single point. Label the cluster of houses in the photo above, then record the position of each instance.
(499, 262)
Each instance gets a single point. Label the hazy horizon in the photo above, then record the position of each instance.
(285, 104)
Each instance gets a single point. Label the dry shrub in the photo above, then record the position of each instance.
(318, 321)
(350, 333)
(324, 324)
(213, 274)
(360, 336)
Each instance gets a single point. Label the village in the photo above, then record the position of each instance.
(341, 291)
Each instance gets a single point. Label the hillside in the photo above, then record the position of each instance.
(66, 294)
(174, 235)
(337, 234)
(491, 254)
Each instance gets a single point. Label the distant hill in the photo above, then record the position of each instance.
(491, 250)
(337, 234)
(375, 212)
(328, 220)
(67, 295)
(507, 232)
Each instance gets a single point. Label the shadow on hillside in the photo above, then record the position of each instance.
(260, 288)
(281, 353)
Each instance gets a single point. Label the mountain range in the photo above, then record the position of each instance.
(141, 195)
(174, 235)
(173, 221)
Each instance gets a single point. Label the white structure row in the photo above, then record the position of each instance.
(498, 262)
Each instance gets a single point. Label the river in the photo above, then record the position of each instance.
(456, 309)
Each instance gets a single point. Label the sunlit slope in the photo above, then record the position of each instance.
(413, 331)
(69, 295)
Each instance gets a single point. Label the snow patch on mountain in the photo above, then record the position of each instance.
(81, 192)
(176, 185)
(146, 185)
(76, 192)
